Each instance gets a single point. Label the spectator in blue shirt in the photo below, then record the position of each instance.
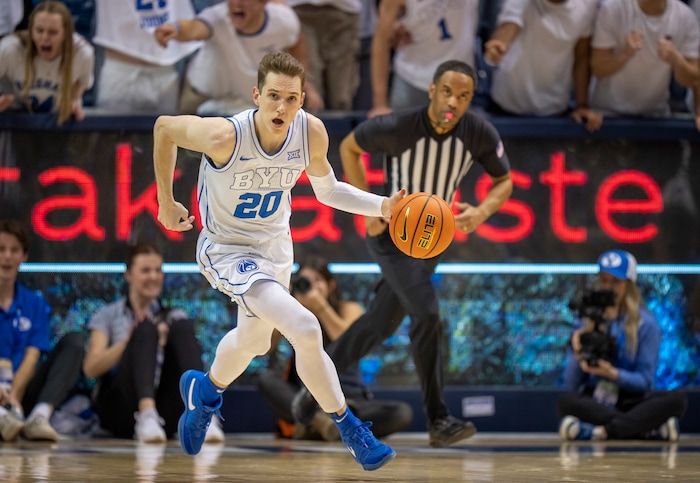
(610, 394)
(35, 385)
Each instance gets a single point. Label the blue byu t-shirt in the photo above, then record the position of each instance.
(25, 324)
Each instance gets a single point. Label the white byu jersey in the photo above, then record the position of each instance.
(248, 200)
(440, 30)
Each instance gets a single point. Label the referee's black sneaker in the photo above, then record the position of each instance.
(448, 430)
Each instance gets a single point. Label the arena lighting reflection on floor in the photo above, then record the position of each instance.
(488, 457)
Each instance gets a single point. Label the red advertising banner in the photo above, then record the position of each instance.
(84, 194)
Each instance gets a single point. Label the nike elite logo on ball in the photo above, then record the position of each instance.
(403, 236)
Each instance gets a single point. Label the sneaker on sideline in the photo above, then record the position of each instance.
(149, 427)
(195, 420)
(215, 433)
(669, 430)
(448, 430)
(571, 428)
(365, 448)
(10, 426)
(38, 428)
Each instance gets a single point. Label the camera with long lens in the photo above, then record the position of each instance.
(300, 285)
(596, 344)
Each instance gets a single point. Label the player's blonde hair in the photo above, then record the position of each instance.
(280, 63)
(65, 97)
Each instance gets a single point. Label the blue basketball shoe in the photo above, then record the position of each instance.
(365, 448)
(193, 424)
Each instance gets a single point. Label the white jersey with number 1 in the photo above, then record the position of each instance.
(440, 30)
(248, 200)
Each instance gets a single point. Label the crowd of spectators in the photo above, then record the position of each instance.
(587, 59)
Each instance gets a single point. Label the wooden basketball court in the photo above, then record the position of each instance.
(487, 457)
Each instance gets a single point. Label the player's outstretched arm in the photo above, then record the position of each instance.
(330, 191)
(213, 136)
(390, 203)
(182, 31)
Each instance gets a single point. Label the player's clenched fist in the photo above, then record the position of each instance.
(174, 216)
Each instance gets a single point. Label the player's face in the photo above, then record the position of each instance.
(11, 255)
(453, 93)
(145, 276)
(279, 101)
(48, 35)
(247, 16)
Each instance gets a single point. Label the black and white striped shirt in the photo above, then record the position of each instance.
(419, 159)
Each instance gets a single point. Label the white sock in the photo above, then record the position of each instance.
(41, 409)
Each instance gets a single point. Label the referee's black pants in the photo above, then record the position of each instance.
(405, 288)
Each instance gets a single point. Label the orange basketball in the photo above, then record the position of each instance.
(422, 225)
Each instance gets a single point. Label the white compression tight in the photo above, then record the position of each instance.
(277, 309)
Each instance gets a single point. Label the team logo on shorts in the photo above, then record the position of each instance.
(245, 266)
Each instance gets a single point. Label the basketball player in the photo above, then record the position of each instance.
(249, 165)
(426, 149)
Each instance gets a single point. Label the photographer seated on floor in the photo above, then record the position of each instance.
(612, 362)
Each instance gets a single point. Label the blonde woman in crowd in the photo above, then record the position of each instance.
(47, 67)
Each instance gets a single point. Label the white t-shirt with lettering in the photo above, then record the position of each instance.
(440, 30)
(127, 26)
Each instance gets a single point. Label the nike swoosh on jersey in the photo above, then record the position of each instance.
(190, 405)
(403, 236)
(245, 158)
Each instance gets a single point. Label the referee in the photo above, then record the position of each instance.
(425, 149)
